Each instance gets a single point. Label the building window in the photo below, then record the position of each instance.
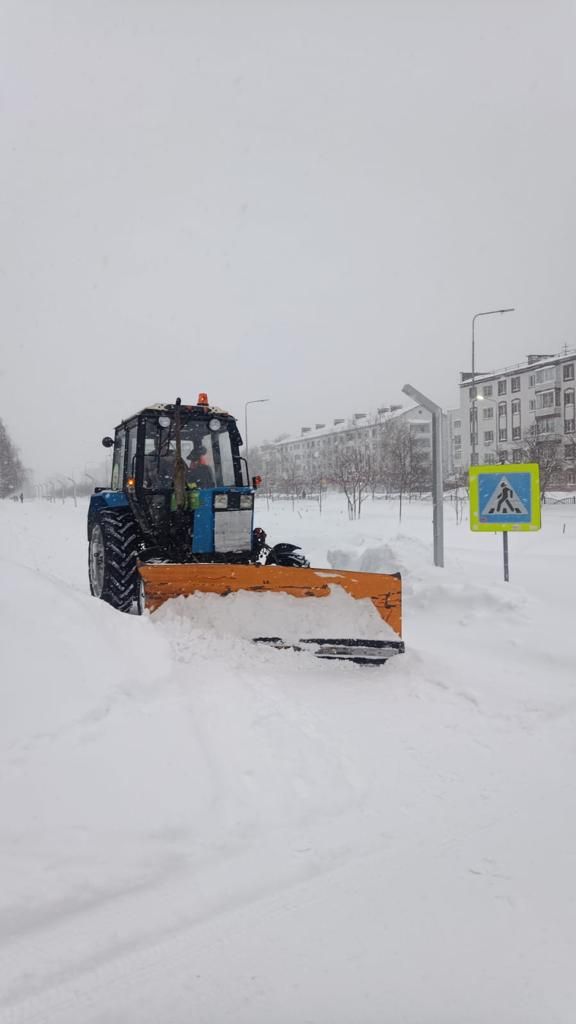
(503, 435)
(546, 424)
(570, 477)
(501, 387)
(516, 407)
(570, 451)
(532, 404)
(488, 436)
(502, 409)
(457, 439)
(487, 391)
(568, 371)
(545, 400)
(515, 384)
(488, 414)
(503, 455)
(489, 459)
(531, 381)
(569, 396)
(516, 433)
(543, 376)
(568, 426)
(457, 424)
(517, 455)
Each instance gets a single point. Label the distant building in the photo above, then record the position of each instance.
(314, 445)
(500, 408)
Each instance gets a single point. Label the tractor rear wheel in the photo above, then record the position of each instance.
(112, 559)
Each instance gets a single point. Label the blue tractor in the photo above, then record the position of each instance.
(179, 494)
(178, 519)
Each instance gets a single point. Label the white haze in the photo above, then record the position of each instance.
(305, 201)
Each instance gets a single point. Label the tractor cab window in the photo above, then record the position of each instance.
(118, 460)
(159, 456)
(206, 452)
(130, 469)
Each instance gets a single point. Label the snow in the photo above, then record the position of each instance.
(250, 615)
(197, 828)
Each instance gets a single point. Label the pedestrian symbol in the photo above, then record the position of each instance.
(504, 497)
(504, 500)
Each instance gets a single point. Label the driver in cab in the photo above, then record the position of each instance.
(199, 472)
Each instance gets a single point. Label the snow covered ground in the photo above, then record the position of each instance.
(194, 828)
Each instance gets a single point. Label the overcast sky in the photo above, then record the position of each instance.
(305, 201)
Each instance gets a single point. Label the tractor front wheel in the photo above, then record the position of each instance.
(112, 559)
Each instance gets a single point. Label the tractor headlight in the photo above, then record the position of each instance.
(220, 501)
(246, 501)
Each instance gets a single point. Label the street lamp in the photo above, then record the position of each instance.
(73, 482)
(253, 401)
(474, 424)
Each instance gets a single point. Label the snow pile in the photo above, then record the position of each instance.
(250, 615)
(378, 559)
(197, 828)
(64, 656)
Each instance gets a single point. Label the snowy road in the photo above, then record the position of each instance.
(194, 828)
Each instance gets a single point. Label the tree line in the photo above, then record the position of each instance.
(12, 472)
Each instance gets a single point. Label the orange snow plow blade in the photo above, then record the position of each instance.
(166, 580)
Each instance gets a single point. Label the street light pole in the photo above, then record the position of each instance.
(437, 471)
(253, 401)
(73, 482)
(473, 419)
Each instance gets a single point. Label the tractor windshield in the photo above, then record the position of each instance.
(206, 450)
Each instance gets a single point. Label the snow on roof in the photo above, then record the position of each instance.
(345, 426)
(528, 364)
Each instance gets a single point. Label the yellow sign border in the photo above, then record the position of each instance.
(510, 468)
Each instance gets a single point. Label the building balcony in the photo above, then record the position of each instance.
(552, 410)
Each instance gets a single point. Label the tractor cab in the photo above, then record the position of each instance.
(179, 470)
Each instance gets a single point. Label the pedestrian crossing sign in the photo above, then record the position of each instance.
(505, 497)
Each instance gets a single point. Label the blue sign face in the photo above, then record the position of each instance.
(504, 497)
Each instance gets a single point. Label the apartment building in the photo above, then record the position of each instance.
(314, 446)
(498, 410)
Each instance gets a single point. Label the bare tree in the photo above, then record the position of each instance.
(292, 481)
(405, 463)
(353, 472)
(547, 452)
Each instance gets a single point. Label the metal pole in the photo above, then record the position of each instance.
(437, 471)
(437, 489)
(73, 482)
(505, 551)
(474, 408)
(253, 401)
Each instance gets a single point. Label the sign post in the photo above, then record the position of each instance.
(505, 498)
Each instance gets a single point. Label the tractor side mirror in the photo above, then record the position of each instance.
(108, 442)
(256, 481)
